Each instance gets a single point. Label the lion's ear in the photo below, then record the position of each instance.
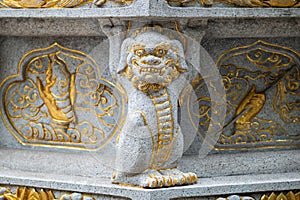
(126, 45)
(175, 44)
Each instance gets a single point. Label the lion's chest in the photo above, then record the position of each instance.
(159, 109)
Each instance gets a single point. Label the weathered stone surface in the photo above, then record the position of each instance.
(214, 187)
(151, 142)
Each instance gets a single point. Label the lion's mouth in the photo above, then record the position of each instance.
(152, 70)
(160, 71)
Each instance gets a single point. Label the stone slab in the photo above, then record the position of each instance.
(161, 10)
(205, 187)
(88, 164)
(214, 28)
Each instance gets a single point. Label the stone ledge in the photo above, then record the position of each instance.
(156, 11)
(215, 28)
(206, 186)
(88, 165)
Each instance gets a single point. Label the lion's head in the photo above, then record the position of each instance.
(151, 61)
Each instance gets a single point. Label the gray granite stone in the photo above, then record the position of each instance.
(84, 163)
(208, 187)
(227, 164)
(91, 165)
(49, 27)
(158, 9)
(215, 28)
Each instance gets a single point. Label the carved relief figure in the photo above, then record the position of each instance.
(62, 113)
(249, 107)
(151, 71)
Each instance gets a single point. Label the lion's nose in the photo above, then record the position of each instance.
(151, 60)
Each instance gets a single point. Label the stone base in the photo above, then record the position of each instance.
(102, 188)
(82, 173)
(88, 164)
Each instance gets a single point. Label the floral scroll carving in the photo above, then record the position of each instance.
(60, 3)
(42, 3)
(240, 3)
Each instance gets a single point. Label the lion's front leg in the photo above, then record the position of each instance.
(133, 145)
(134, 154)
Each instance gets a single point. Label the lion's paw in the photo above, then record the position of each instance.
(149, 179)
(180, 178)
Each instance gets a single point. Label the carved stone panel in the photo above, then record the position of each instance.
(261, 82)
(59, 99)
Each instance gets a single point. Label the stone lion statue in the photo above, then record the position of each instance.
(151, 142)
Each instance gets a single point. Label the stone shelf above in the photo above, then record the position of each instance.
(87, 22)
(159, 10)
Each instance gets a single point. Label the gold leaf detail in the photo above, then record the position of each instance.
(289, 196)
(242, 3)
(267, 69)
(24, 193)
(55, 86)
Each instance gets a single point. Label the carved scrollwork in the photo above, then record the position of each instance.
(23, 193)
(59, 3)
(264, 3)
(59, 99)
(281, 196)
(240, 3)
(42, 3)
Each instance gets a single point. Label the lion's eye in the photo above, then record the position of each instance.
(160, 52)
(140, 52)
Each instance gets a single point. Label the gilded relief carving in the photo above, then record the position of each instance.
(288, 196)
(56, 91)
(23, 193)
(240, 3)
(59, 3)
(264, 3)
(281, 196)
(42, 3)
(261, 82)
(248, 108)
(101, 3)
